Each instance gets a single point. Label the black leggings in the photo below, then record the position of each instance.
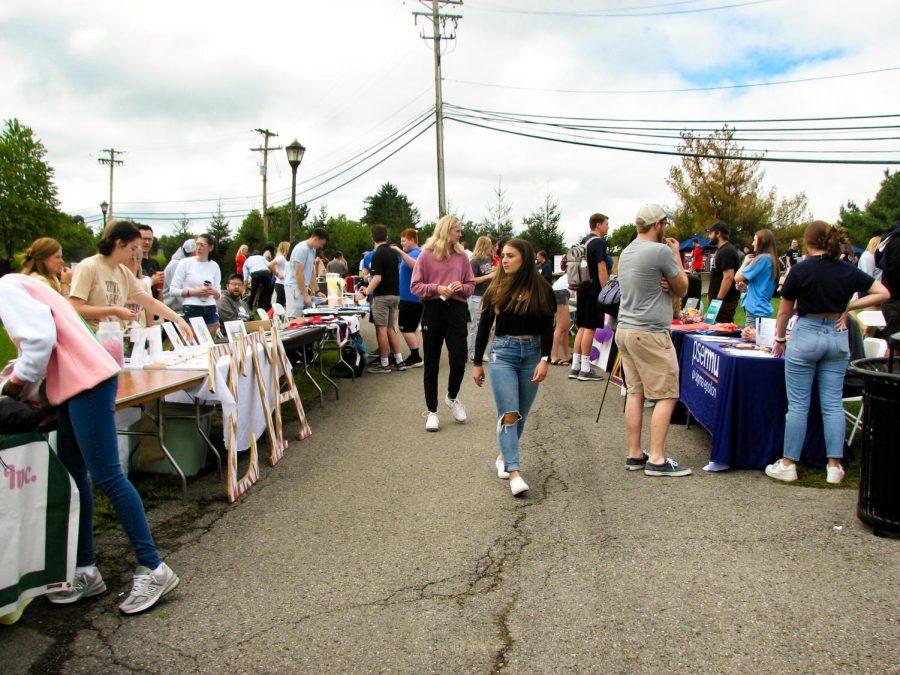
(261, 289)
(443, 320)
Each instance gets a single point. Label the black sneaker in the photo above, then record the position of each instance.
(668, 468)
(413, 362)
(399, 365)
(636, 464)
(378, 368)
(573, 374)
(589, 376)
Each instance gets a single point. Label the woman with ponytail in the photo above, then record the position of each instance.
(44, 262)
(819, 289)
(523, 306)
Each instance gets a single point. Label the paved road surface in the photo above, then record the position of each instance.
(376, 546)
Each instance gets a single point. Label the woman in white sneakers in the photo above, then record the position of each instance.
(443, 279)
(522, 306)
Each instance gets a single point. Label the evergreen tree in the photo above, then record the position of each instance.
(878, 214)
(392, 209)
(498, 223)
(221, 230)
(541, 228)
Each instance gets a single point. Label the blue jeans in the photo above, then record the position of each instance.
(511, 366)
(817, 351)
(751, 319)
(87, 442)
(474, 303)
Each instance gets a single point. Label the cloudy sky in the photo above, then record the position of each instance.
(180, 85)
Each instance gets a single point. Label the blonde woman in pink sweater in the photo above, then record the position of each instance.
(58, 349)
(443, 279)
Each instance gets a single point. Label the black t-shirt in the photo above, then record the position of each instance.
(480, 267)
(888, 261)
(546, 271)
(386, 264)
(793, 256)
(823, 285)
(149, 267)
(594, 253)
(726, 258)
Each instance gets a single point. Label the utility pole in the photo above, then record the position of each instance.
(439, 23)
(113, 162)
(265, 150)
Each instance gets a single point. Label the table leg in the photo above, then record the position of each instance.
(162, 446)
(206, 438)
(311, 378)
(331, 383)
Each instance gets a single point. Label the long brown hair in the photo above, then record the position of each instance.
(523, 292)
(36, 258)
(825, 237)
(765, 243)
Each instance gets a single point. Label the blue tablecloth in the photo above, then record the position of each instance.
(742, 401)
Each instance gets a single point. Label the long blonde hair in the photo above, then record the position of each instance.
(873, 243)
(242, 250)
(439, 243)
(484, 249)
(36, 259)
(284, 248)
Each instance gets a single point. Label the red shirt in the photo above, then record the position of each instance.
(239, 263)
(697, 259)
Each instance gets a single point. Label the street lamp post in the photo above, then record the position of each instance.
(103, 207)
(295, 156)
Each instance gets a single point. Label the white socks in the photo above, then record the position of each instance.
(576, 361)
(385, 361)
(90, 570)
(585, 364)
(398, 358)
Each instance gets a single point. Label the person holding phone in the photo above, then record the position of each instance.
(198, 281)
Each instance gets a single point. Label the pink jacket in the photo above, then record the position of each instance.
(54, 343)
(429, 273)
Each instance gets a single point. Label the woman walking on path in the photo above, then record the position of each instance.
(562, 353)
(759, 272)
(523, 305)
(443, 279)
(483, 268)
(820, 289)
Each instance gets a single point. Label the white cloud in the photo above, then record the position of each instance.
(181, 85)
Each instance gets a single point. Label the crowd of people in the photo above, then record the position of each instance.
(498, 307)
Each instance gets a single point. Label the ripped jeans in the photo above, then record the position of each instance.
(511, 367)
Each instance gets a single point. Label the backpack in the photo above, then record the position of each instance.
(576, 267)
(610, 296)
(349, 355)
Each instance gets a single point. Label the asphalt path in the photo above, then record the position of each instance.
(376, 546)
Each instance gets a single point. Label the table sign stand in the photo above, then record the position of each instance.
(617, 372)
(281, 367)
(257, 343)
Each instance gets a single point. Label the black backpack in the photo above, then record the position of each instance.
(352, 356)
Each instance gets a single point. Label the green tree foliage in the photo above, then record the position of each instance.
(498, 223)
(541, 227)
(350, 237)
(221, 230)
(391, 208)
(169, 243)
(878, 215)
(78, 241)
(620, 237)
(28, 197)
(714, 188)
(251, 231)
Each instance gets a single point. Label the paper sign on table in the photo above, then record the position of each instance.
(139, 355)
(765, 332)
(201, 331)
(692, 303)
(234, 328)
(713, 311)
(174, 336)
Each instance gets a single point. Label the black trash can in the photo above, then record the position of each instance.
(879, 463)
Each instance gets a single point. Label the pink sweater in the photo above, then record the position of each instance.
(429, 273)
(54, 343)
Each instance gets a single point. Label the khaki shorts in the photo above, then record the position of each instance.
(385, 309)
(651, 368)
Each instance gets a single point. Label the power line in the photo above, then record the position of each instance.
(618, 13)
(797, 160)
(743, 85)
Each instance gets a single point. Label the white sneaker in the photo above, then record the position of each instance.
(834, 474)
(779, 471)
(501, 468)
(433, 423)
(84, 586)
(149, 586)
(457, 408)
(517, 486)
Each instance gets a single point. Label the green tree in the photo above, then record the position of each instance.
(350, 237)
(620, 237)
(541, 227)
(878, 215)
(251, 230)
(220, 229)
(28, 197)
(498, 223)
(321, 217)
(711, 188)
(78, 241)
(169, 243)
(391, 208)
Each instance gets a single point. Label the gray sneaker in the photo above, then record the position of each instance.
(573, 374)
(590, 376)
(149, 587)
(668, 468)
(84, 586)
(378, 368)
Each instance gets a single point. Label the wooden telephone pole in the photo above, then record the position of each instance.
(265, 150)
(113, 162)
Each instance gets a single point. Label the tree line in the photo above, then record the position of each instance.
(707, 188)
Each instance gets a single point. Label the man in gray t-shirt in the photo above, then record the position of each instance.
(650, 275)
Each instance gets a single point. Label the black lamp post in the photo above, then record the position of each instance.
(295, 156)
(103, 207)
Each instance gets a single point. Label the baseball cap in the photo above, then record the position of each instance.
(190, 246)
(719, 226)
(650, 213)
